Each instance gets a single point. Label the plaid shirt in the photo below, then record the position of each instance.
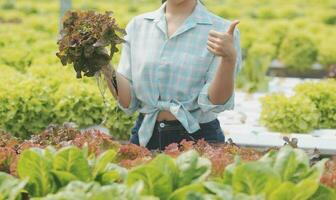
(173, 73)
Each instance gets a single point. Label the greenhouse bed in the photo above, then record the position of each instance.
(91, 165)
(243, 127)
(323, 140)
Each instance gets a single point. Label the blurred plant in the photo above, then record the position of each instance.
(252, 77)
(298, 51)
(8, 5)
(275, 33)
(327, 52)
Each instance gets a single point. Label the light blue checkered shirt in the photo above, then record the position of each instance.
(173, 73)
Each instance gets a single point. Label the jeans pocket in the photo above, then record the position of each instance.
(212, 132)
(220, 136)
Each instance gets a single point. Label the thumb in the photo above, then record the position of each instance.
(232, 27)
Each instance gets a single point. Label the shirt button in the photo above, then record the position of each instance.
(162, 125)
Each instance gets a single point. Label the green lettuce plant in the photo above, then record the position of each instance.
(70, 174)
(30, 102)
(163, 175)
(10, 187)
(93, 191)
(25, 107)
(298, 51)
(253, 75)
(323, 95)
(327, 52)
(282, 175)
(49, 170)
(296, 114)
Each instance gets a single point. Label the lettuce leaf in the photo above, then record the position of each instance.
(72, 160)
(102, 161)
(192, 168)
(291, 164)
(324, 193)
(35, 165)
(254, 178)
(10, 187)
(156, 182)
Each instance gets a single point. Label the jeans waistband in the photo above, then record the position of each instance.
(175, 124)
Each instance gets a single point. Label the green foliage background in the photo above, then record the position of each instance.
(35, 90)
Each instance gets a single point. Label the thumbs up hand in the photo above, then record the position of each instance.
(222, 44)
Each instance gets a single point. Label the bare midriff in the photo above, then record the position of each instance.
(165, 115)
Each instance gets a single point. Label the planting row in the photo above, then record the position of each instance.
(30, 102)
(298, 44)
(312, 107)
(52, 166)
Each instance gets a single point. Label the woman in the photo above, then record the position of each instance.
(177, 69)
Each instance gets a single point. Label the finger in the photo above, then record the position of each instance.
(232, 27)
(212, 44)
(214, 39)
(215, 34)
(211, 50)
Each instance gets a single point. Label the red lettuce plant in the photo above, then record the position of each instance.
(96, 141)
(83, 39)
(329, 176)
(131, 155)
(220, 155)
(7, 140)
(7, 158)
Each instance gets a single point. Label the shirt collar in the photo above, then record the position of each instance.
(200, 15)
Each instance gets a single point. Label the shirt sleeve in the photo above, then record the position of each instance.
(125, 69)
(203, 99)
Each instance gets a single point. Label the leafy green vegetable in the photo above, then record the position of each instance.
(93, 191)
(192, 168)
(35, 165)
(163, 175)
(84, 38)
(254, 178)
(285, 174)
(10, 187)
(31, 102)
(289, 191)
(323, 95)
(324, 193)
(229, 170)
(183, 192)
(253, 77)
(167, 164)
(296, 114)
(112, 173)
(225, 192)
(156, 182)
(72, 160)
(298, 51)
(102, 161)
(291, 164)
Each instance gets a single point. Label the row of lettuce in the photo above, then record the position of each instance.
(313, 106)
(72, 173)
(296, 33)
(31, 101)
(37, 91)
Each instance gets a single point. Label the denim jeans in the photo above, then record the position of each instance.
(167, 132)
